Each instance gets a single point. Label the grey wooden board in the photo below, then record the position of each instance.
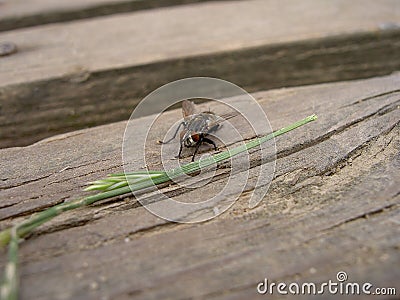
(84, 73)
(333, 206)
(145, 37)
(18, 14)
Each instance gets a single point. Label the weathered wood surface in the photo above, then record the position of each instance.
(84, 73)
(141, 38)
(334, 205)
(18, 14)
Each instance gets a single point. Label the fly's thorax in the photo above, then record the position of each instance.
(200, 123)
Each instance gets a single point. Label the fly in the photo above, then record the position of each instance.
(196, 128)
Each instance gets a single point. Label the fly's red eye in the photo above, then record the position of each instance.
(195, 137)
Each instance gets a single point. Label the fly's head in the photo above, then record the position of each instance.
(189, 138)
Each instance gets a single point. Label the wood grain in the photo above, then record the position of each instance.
(333, 206)
(18, 14)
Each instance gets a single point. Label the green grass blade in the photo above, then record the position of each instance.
(9, 287)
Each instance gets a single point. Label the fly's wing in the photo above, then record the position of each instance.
(216, 120)
(207, 121)
(188, 108)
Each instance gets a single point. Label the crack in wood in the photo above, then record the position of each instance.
(365, 215)
(371, 97)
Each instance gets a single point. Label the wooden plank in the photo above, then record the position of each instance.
(18, 14)
(146, 37)
(72, 76)
(333, 206)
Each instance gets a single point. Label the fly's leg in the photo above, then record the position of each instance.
(211, 142)
(197, 146)
(180, 151)
(176, 132)
(203, 140)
